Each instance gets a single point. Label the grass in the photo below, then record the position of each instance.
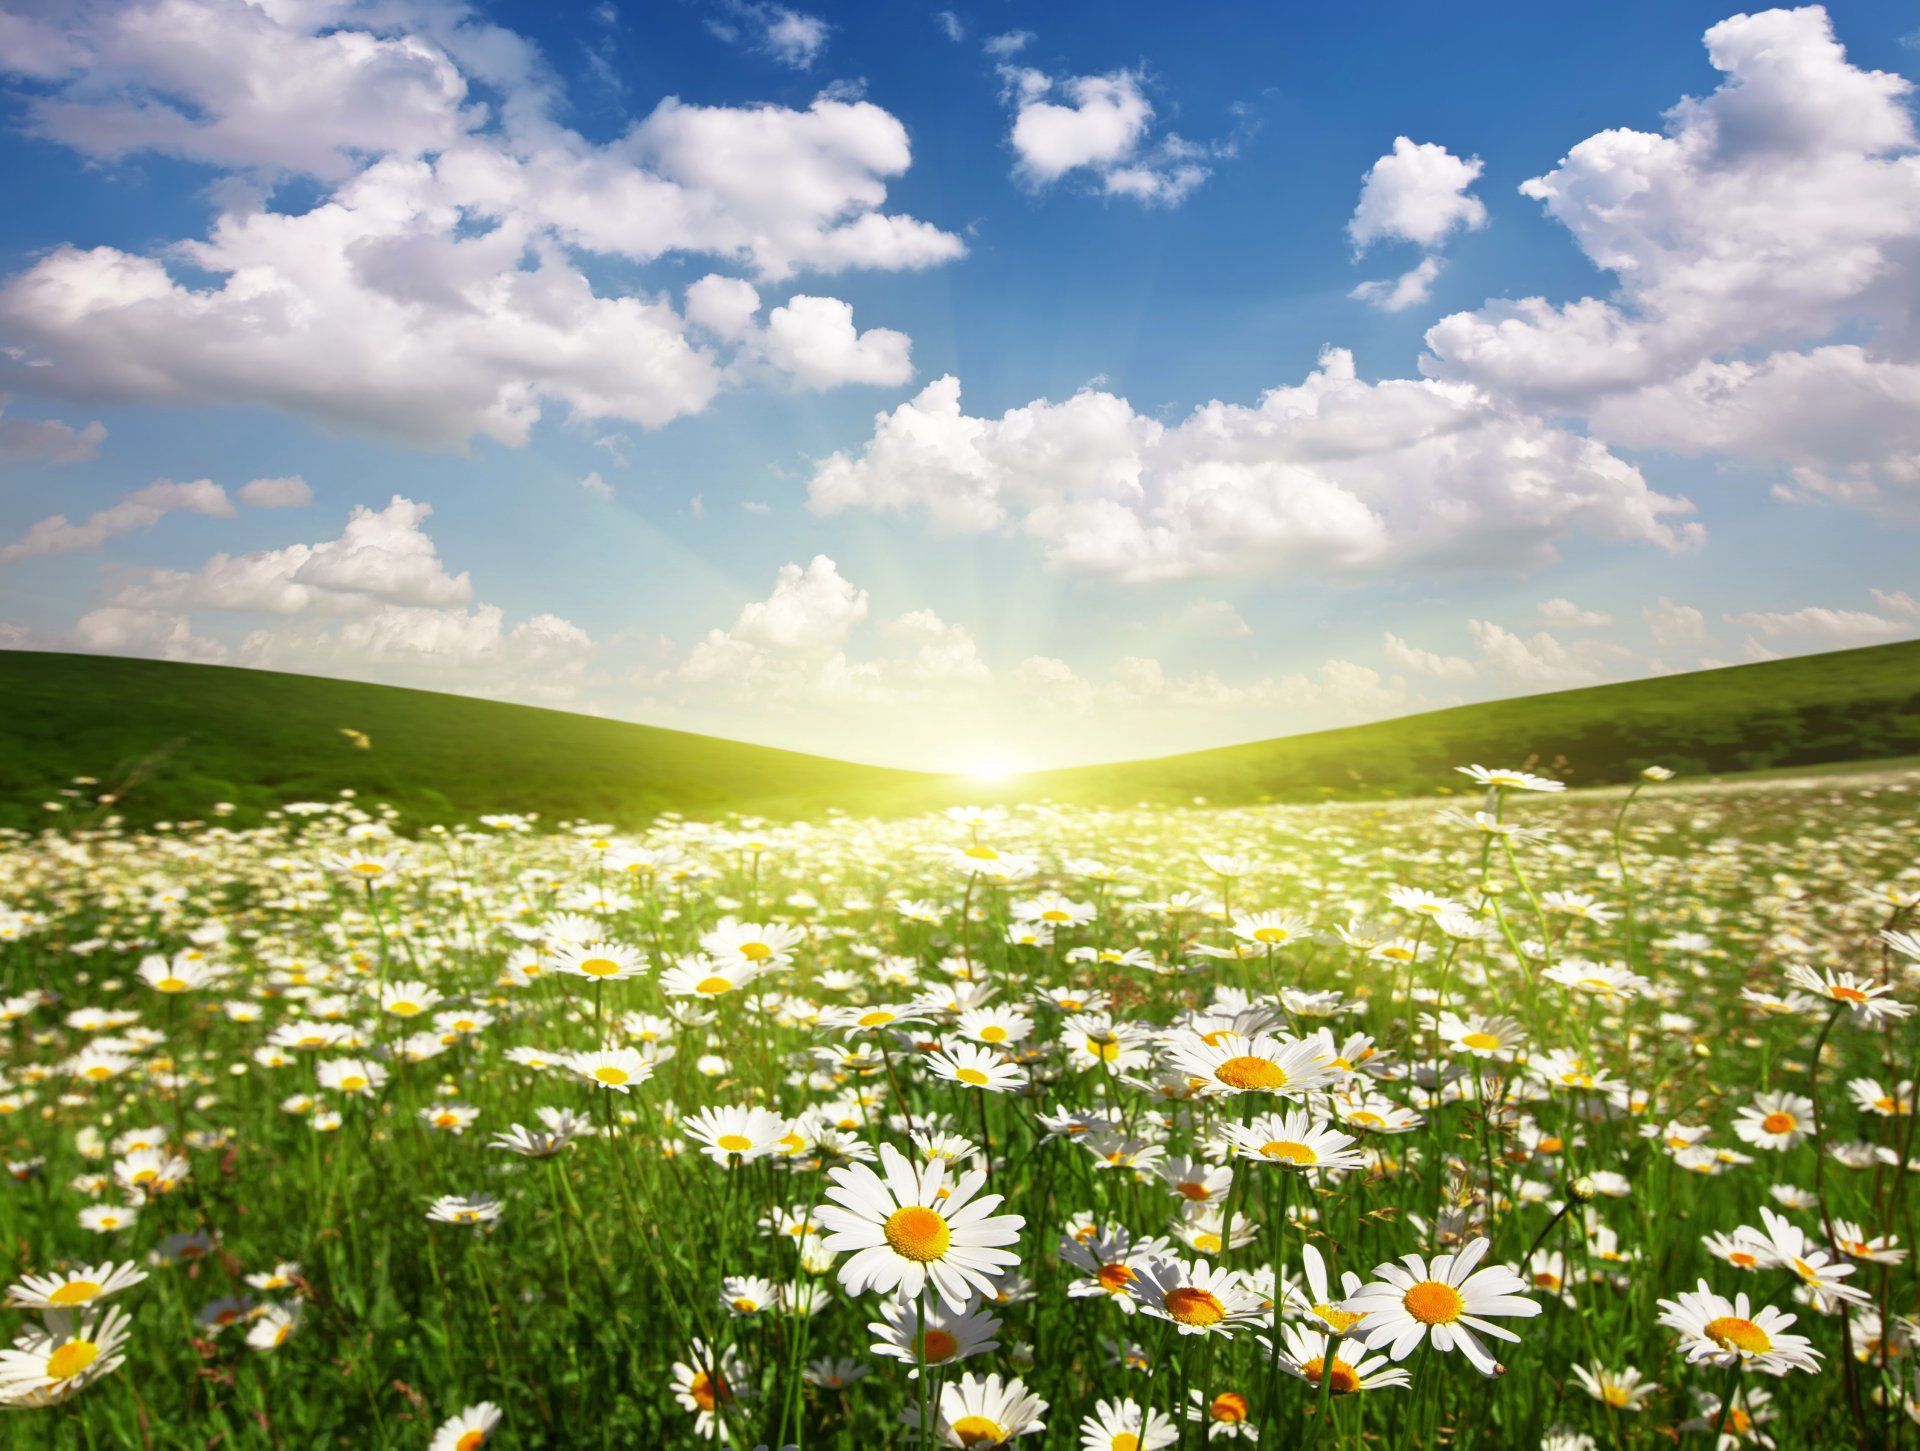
(174, 738)
(570, 1310)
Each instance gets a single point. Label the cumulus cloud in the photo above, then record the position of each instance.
(1428, 662)
(141, 509)
(597, 486)
(1416, 193)
(1542, 659)
(47, 440)
(810, 609)
(1568, 615)
(289, 492)
(1409, 289)
(1672, 624)
(1211, 620)
(788, 36)
(1831, 628)
(1770, 218)
(1009, 43)
(1099, 125)
(121, 630)
(434, 291)
(1897, 602)
(1331, 478)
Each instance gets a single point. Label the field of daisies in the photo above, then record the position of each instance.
(1515, 1118)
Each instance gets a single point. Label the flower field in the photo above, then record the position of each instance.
(1525, 1119)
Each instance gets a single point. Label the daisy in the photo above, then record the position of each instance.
(621, 1069)
(1775, 1120)
(1271, 929)
(407, 999)
(1869, 1095)
(976, 1068)
(1294, 1140)
(467, 1209)
(537, 1143)
(1124, 1426)
(1446, 1297)
(1226, 1415)
(736, 1135)
(468, 1431)
(912, 1227)
(1318, 1302)
(751, 943)
(701, 977)
(1717, 1331)
(450, 1118)
(599, 961)
(705, 1382)
(1261, 1064)
(274, 1324)
(1622, 1389)
(1194, 1180)
(107, 1218)
(911, 1327)
(177, 976)
(1305, 1357)
(150, 1172)
(747, 1294)
(994, 1026)
(75, 1288)
(1867, 999)
(978, 1414)
(1741, 1425)
(1510, 780)
(1109, 1264)
(1782, 1244)
(1852, 1241)
(62, 1357)
(1197, 1297)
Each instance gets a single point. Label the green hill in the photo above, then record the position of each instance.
(172, 739)
(1848, 705)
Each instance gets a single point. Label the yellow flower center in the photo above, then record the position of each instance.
(1344, 1379)
(1207, 1243)
(1341, 1320)
(471, 1441)
(993, 1033)
(1114, 1279)
(99, 1073)
(1125, 1441)
(938, 1346)
(172, 984)
(982, 853)
(72, 1358)
(1732, 1332)
(1251, 1073)
(145, 1176)
(74, 1292)
(1054, 914)
(1271, 934)
(1191, 1305)
(1229, 1407)
(977, 1431)
(1433, 1302)
(709, 1390)
(973, 1076)
(1616, 1395)
(712, 986)
(352, 1083)
(1849, 994)
(755, 951)
(733, 1143)
(445, 1120)
(1778, 1123)
(404, 1009)
(1195, 1191)
(1293, 1153)
(367, 869)
(918, 1234)
(610, 1074)
(599, 967)
(1105, 1049)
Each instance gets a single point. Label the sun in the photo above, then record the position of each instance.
(989, 771)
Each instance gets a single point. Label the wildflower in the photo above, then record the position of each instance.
(912, 1328)
(61, 1357)
(1623, 1390)
(1867, 999)
(1294, 1140)
(1199, 1298)
(1447, 1298)
(76, 1288)
(705, 1382)
(736, 1135)
(1124, 1426)
(1717, 1331)
(465, 1209)
(274, 1325)
(1775, 1120)
(976, 1068)
(599, 961)
(468, 1431)
(1262, 1064)
(912, 1227)
(1307, 1353)
(620, 1069)
(980, 1414)
(1510, 780)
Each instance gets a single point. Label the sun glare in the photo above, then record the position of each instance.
(989, 771)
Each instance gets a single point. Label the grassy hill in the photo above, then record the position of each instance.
(1849, 705)
(173, 739)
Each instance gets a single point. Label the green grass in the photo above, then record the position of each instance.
(174, 738)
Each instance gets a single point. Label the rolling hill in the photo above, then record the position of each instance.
(171, 739)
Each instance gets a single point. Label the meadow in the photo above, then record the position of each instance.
(1524, 1118)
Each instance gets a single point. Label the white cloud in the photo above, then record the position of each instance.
(1767, 249)
(1101, 128)
(1566, 614)
(290, 492)
(1011, 43)
(810, 610)
(1672, 624)
(950, 25)
(1898, 602)
(1542, 659)
(1211, 620)
(120, 630)
(786, 35)
(381, 558)
(47, 440)
(141, 509)
(597, 486)
(1829, 627)
(1409, 289)
(1428, 662)
(1333, 478)
(1416, 193)
(433, 292)
(814, 340)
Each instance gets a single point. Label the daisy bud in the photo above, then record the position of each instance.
(1582, 1190)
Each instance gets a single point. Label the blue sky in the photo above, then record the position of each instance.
(959, 387)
